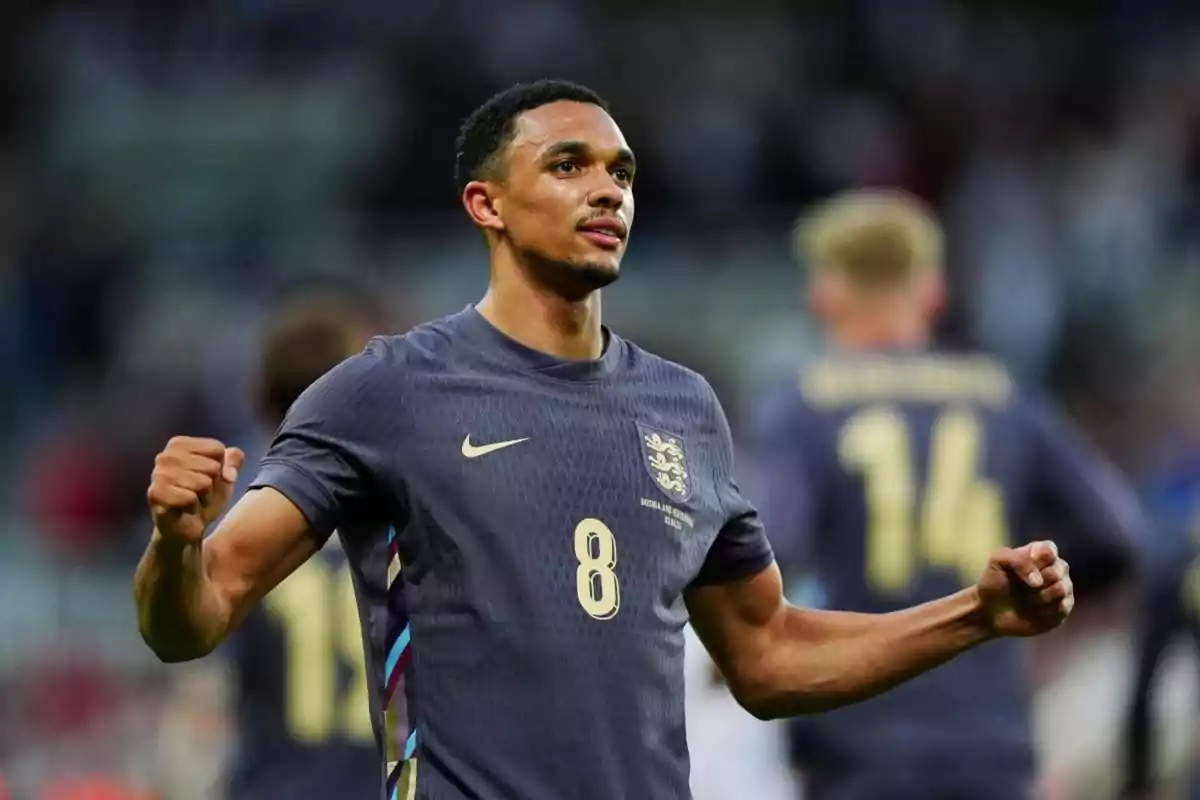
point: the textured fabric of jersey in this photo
(547, 516)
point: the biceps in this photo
(261, 541)
(737, 620)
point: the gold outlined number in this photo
(962, 517)
(595, 581)
(316, 606)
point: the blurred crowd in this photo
(167, 169)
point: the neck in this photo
(876, 334)
(542, 319)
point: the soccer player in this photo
(891, 471)
(1170, 610)
(532, 507)
(304, 720)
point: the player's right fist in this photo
(192, 482)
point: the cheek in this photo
(546, 219)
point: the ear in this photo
(934, 294)
(483, 205)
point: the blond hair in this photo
(877, 238)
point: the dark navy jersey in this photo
(890, 478)
(302, 705)
(521, 529)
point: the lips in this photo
(607, 232)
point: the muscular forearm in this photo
(818, 660)
(180, 614)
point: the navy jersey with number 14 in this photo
(891, 477)
(522, 530)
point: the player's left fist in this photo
(1026, 591)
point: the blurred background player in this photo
(1169, 611)
(303, 718)
(891, 470)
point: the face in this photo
(565, 203)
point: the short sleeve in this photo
(783, 436)
(330, 457)
(741, 548)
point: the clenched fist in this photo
(191, 485)
(1026, 591)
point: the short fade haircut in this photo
(876, 238)
(309, 334)
(491, 127)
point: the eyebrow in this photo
(580, 149)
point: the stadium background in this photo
(167, 167)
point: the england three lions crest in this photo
(666, 459)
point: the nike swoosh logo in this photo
(475, 451)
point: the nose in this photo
(606, 194)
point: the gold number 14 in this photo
(962, 516)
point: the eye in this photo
(623, 174)
(565, 166)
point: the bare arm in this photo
(782, 661)
(322, 469)
(190, 595)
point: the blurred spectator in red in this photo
(67, 693)
(91, 787)
(70, 491)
